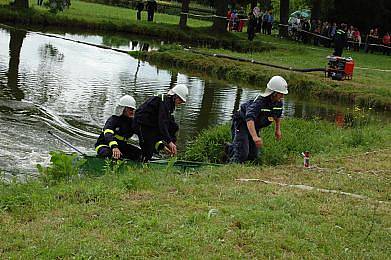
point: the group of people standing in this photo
(259, 20)
(327, 34)
(150, 6)
(154, 124)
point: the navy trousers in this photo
(243, 147)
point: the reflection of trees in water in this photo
(49, 71)
(173, 79)
(49, 52)
(140, 46)
(206, 114)
(15, 45)
(115, 41)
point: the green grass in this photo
(297, 55)
(299, 135)
(146, 213)
(304, 84)
(98, 12)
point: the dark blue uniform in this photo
(116, 133)
(155, 123)
(339, 42)
(262, 110)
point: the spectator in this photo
(370, 41)
(386, 43)
(252, 23)
(270, 22)
(317, 31)
(139, 7)
(259, 21)
(241, 17)
(265, 19)
(325, 33)
(306, 27)
(332, 31)
(233, 21)
(349, 35)
(151, 7)
(357, 39)
(376, 39)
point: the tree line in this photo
(364, 14)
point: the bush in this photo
(315, 136)
(64, 166)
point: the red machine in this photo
(339, 68)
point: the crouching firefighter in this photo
(254, 115)
(113, 141)
(156, 123)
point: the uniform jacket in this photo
(262, 110)
(156, 113)
(116, 132)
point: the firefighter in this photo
(340, 40)
(113, 141)
(253, 115)
(156, 123)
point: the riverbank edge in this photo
(258, 75)
(197, 36)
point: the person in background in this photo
(140, 8)
(156, 124)
(369, 41)
(253, 115)
(113, 141)
(252, 23)
(350, 39)
(356, 39)
(265, 18)
(151, 7)
(386, 43)
(270, 22)
(340, 40)
(241, 17)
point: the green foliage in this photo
(318, 137)
(56, 6)
(374, 92)
(209, 145)
(63, 166)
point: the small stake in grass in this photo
(306, 156)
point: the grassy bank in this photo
(314, 84)
(208, 214)
(319, 137)
(116, 19)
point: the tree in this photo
(220, 21)
(315, 10)
(284, 14)
(21, 4)
(185, 11)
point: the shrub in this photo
(64, 166)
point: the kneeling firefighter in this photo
(113, 141)
(254, 115)
(156, 123)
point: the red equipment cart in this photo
(339, 68)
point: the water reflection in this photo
(15, 46)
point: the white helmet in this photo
(127, 101)
(276, 84)
(180, 90)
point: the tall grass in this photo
(318, 137)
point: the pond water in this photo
(70, 88)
